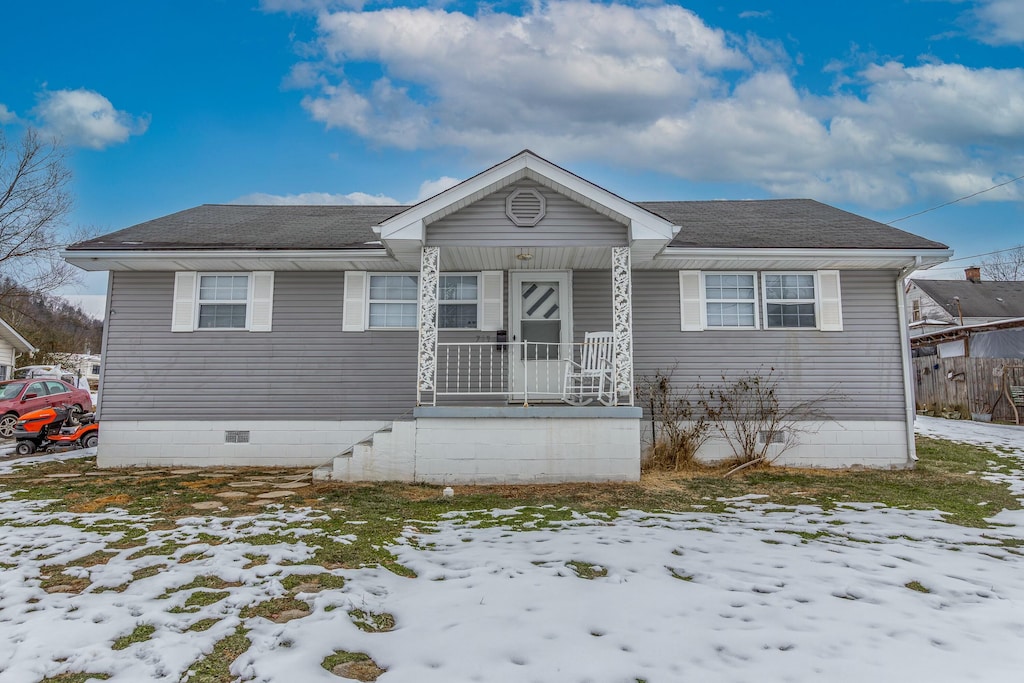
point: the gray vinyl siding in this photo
(566, 223)
(862, 362)
(306, 368)
(591, 302)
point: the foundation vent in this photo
(236, 436)
(525, 207)
(771, 437)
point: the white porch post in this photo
(426, 361)
(622, 321)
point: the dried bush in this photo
(748, 414)
(683, 426)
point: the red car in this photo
(24, 395)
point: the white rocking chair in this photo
(593, 377)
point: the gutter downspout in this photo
(908, 378)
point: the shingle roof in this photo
(986, 299)
(776, 223)
(229, 226)
(780, 223)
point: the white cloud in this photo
(427, 189)
(755, 14)
(86, 118)
(432, 187)
(656, 87)
(314, 199)
(1000, 22)
(6, 115)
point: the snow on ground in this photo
(756, 593)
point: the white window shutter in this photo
(830, 303)
(262, 315)
(492, 296)
(354, 316)
(183, 308)
(691, 300)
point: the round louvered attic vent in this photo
(525, 207)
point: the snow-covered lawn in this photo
(758, 593)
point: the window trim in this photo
(367, 301)
(704, 301)
(815, 301)
(199, 302)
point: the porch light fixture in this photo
(524, 256)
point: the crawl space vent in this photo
(525, 207)
(236, 437)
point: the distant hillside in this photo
(48, 322)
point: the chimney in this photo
(973, 273)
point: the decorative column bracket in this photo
(426, 361)
(622, 321)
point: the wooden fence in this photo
(965, 385)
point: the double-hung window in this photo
(789, 300)
(808, 300)
(730, 300)
(393, 301)
(459, 302)
(222, 301)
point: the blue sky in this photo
(883, 108)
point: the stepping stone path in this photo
(232, 494)
(307, 588)
(246, 484)
(207, 505)
(64, 475)
(274, 494)
(290, 614)
(256, 503)
(184, 471)
(358, 671)
(292, 485)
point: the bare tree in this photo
(1006, 266)
(34, 205)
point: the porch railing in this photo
(514, 372)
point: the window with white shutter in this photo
(223, 301)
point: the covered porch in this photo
(539, 353)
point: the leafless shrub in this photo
(759, 427)
(683, 427)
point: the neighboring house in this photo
(998, 339)
(12, 345)
(283, 335)
(937, 304)
(85, 365)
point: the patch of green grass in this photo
(202, 625)
(165, 550)
(272, 609)
(587, 570)
(372, 622)
(357, 665)
(323, 581)
(216, 666)
(342, 657)
(200, 598)
(210, 582)
(141, 633)
(76, 678)
(917, 586)
(677, 574)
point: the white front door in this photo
(540, 309)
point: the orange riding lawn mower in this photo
(58, 427)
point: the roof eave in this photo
(101, 259)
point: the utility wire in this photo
(960, 199)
